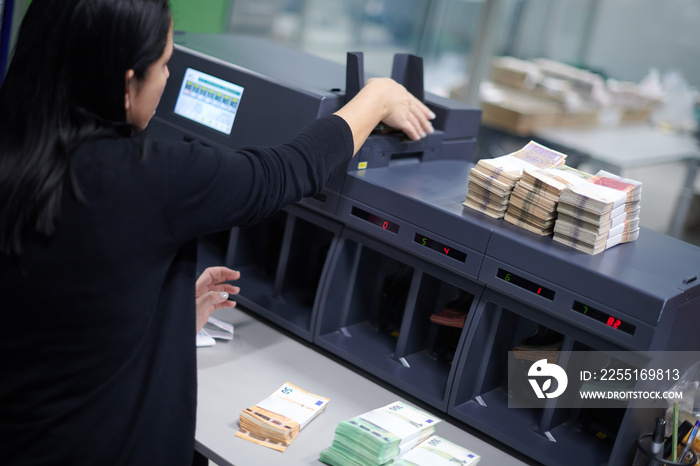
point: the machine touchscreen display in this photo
(208, 100)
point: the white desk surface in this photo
(625, 146)
(240, 373)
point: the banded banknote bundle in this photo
(276, 421)
(436, 451)
(600, 214)
(378, 436)
(491, 181)
(533, 203)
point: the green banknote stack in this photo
(378, 436)
(437, 451)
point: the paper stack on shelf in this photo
(600, 214)
(491, 181)
(214, 328)
(378, 436)
(533, 203)
(276, 421)
(437, 451)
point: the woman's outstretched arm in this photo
(384, 100)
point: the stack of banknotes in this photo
(276, 421)
(378, 436)
(533, 203)
(450, 318)
(491, 181)
(454, 313)
(599, 214)
(437, 451)
(544, 344)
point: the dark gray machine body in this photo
(360, 269)
(284, 91)
(651, 284)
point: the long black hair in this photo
(65, 84)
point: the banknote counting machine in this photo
(236, 91)
(362, 269)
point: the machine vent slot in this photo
(405, 157)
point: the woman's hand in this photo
(403, 111)
(212, 293)
(385, 100)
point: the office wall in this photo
(207, 16)
(622, 38)
(631, 36)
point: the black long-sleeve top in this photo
(97, 323)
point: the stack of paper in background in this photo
(437, 451)
(491, 181)
(379, 436)
(276, 421)
(533, 203)
(600, 214)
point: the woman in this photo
(98, 228)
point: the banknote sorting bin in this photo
(376, 313)
(632, 299)
(480, 397)
(282, 261)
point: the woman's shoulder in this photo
(133, 149)
(111, 161)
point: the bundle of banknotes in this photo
(533, 203)
(436, 451)
(544, 344)
(276, 421)
(491, 181)
(450, 318)
(454, 313)
(378, 436)
(599, 214)
(533, 189)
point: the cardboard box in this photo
(635, 115)
(581, 118)
(519, 114)
(512, 72)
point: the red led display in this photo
(439, 247)
(525, 284)
(375, 220)
(604, 317)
